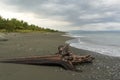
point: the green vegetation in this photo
(14, 25)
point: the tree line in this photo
(14, 25)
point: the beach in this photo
(35, 44)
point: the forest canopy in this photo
(14, 25)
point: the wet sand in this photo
(33, 44)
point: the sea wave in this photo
(106, 50)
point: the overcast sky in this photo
(65, 14)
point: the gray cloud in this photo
(77, 12)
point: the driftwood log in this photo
(63, 58)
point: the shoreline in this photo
(33, 44)
(77, 42)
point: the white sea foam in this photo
(102, 44)
(111, 51)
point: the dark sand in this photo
(32, 44)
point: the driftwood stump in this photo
(73, 59)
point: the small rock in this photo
(98, 67)
(30, 49)
(2, 38)
(73, 74)
(107, 67)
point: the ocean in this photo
(104, 42)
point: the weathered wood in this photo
(64, 58)
(54, 60)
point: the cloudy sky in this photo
(65, 14)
